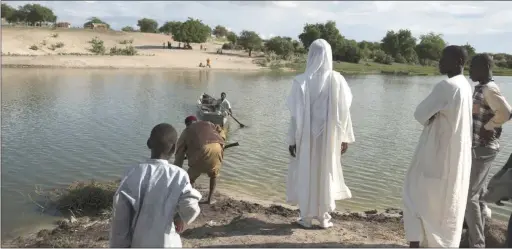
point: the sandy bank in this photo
(246, 223)
(17, 52)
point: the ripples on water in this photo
(59, 126)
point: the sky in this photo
(483, 24)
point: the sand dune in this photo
(17, 42)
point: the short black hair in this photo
(458, 52)
(223, 93)
(162, 138)
(484, 58)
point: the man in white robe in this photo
(436, 184)
(155, 199)
(320, 128)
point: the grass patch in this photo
(34, 47)
(93, 198)
(124, 42)
(129, 51)
(56, 45)
(55, 35)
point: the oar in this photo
(225, 147)
(241, 125)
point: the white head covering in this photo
(318, 67)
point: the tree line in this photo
(32, 14)
(395, 47)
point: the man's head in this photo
(162, 141)
(190, 120)
(480, 69)
(223, 95)
(453, 60)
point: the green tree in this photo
(347, 50)
(147, 25)
(128, 29)
(34, 13)
(400, 45)
(382, 58)
(327, 31)
(282, 46)
(470, 49)
(249, 40)
(7, 11)
(192, 31)
(430, 48)
(220, 31)
(95, 20)
(232, 37)
(170, 28)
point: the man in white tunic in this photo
(155, 199)
(320, 128)
(436, 184)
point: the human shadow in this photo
(239, 227)
(309, 245)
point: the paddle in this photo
(241, 125)
(225, 147)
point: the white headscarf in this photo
(318, 67)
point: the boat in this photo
(208, 112)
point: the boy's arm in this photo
(499, 105)
(120, 228)
(188, 203)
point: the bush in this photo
(130, 50)
(382, 58)
(55, 35)
(97, 46)
(123, 42)
(34, 47)
(400, 59)
(228, 46)
(56, 45)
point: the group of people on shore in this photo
(446, 183)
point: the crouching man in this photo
(203, 144)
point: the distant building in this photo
(66, 25)
(96, 26)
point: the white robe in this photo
(436, 184)
(148, 198)
(319, 103)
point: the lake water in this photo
(63, 125)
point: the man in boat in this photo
(155, 199)
(223, 105)
(203, 144)
(436, 184)
(490, 111)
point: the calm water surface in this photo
(59, 126)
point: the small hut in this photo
(65, 25)
(96, 26)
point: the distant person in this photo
(155, 199)
(436, 184)
(224, 105)
(319, 133)
(203, 144)
(201, 46)
(164, 45)
(490, 111)
(208, 63)
(169, 46)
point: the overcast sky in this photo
(485, 25)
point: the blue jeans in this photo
(508, 242)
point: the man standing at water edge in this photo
(203, 143)
(320, 128)
(155, 199)
(436, 184)
(490, 112)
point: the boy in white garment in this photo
(155, 199)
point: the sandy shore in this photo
(236, 222)
(17, 52)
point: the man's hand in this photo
(344, 148)
(179, 225)
(292, 149)
(431, 119)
